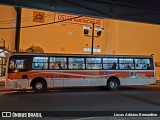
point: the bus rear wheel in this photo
(113, 84)
(39, 86)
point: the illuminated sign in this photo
(66, 18)
(38, 16)
(89, 50)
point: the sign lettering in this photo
(79, 20)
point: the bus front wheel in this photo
(113, 84)
(39, 86)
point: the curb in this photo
(17, 90)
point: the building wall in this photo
(118, 37)
(58, 37)
(132, 38)
(7, 36)
(111, 27)
(8, 20)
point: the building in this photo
(7, 36)
(118, 37)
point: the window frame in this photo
(49, 62)
(126, 63)
(117, 67)
(82, 63)
(151, 64)
(101, 63)
(40, 62)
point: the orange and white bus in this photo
(42, 71)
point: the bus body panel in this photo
(72, 78)
(84, 76)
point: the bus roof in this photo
(80, 55)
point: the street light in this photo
(86, 32)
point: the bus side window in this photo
(20, 64)
(88, 66)
(12, 64)
(110, 63)
(45, 66)
(60, 66)
(57, 63)
(64, 65)
(114, 66)
(148, 66)
(126, 63)
(80, 66)
(56, 66)
(121, 66)
(93, 63)
(143, 63)
(51, 66)
(127, 66)
(76, 63)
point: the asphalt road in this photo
(144, 98)
(84, 99)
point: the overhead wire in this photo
(22, 19)
(82, 6)
(42, 24)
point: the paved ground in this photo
(85, 102)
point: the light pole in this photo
(92, 38)
(86, 32)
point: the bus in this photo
(45, 70)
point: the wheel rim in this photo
(113, 84)
(39, 86)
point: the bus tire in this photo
(113, 84)
(39, 86)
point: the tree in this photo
(35, 49)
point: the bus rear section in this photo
(42, 71)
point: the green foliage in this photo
(35, 49)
